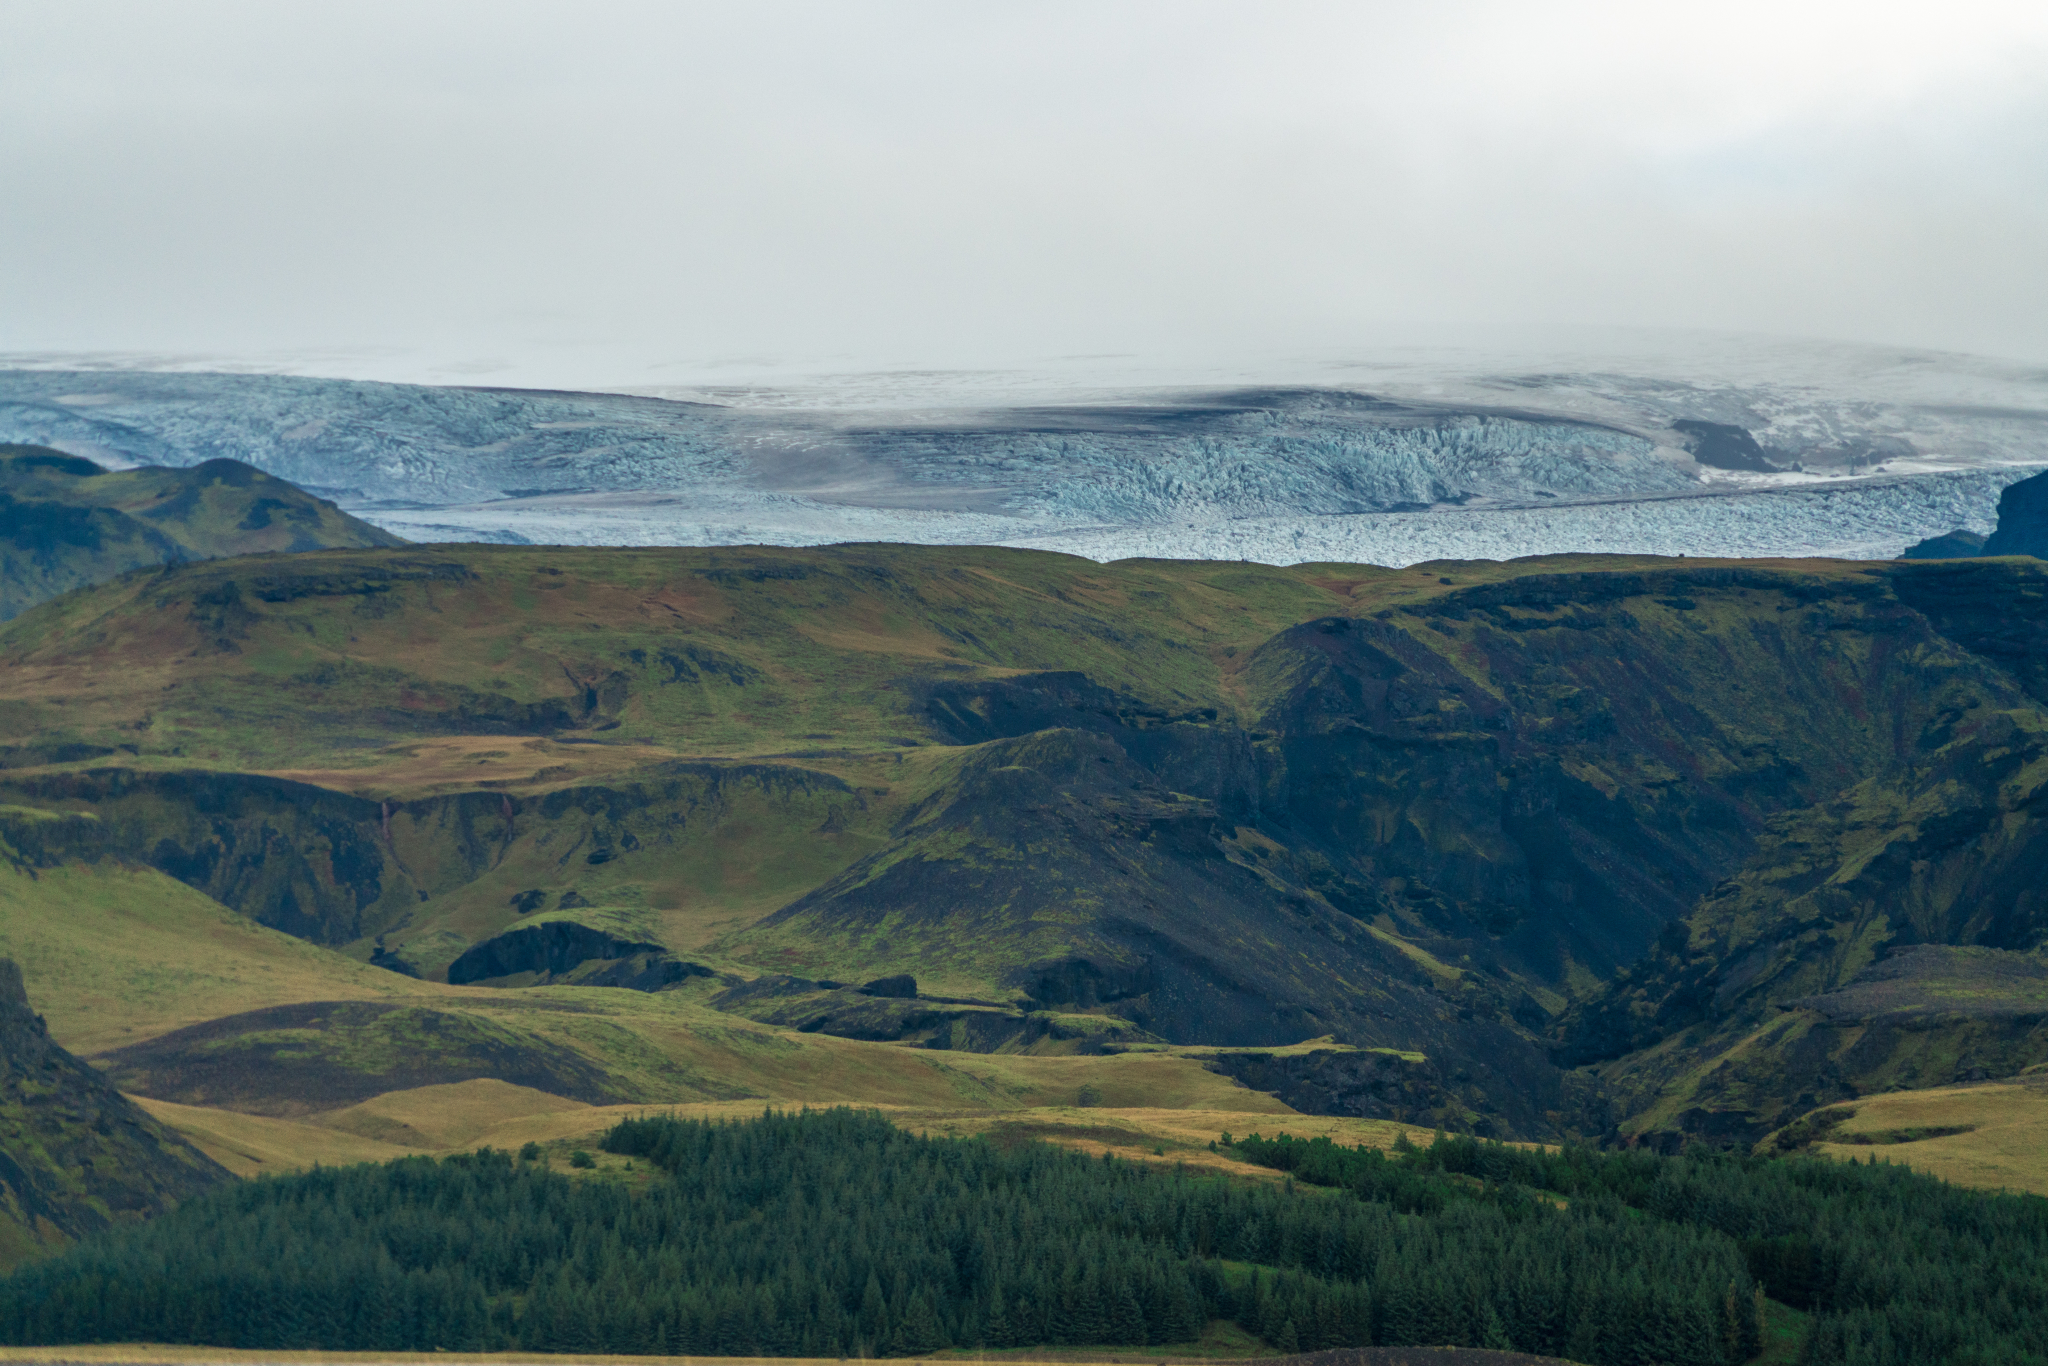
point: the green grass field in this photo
(117, 956)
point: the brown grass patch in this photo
(2003, 1143)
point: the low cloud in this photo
(932, 184)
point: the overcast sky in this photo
(972, 183)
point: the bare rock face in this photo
(2022, 520)
(1960, 544)
(76, 1156)
(1369, 1085)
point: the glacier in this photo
(1855, 458)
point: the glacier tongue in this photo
(1873, 519)
(1477, 469)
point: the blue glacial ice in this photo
(1488, 468)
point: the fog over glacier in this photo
(1698, 445)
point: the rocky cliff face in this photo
(76, 1156)
(2022, 520)
(1743, 1014)
(1439, 814)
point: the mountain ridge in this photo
(65, 522)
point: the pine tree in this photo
(918, 1331)
(1493, 1331)
(831, 1233)
(1126, 1326)
(872, 1322)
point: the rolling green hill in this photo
(65, 522)
(1434, 811)
(262, 1048)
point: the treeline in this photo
(834, 1234)
(1898, 1269)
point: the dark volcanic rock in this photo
(76, 1156)
(1954, 545)
(324, 1055)
(382, 957)
(2022, 520)
(564, 951)
(1723, 446)
(556, 946)
(940, 1023)
(1375, 1085)
(902, 987)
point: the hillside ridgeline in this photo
(1089, 808)
(76, 1157)
(65, 522)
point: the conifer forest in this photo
(835, 1234)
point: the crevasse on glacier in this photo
(1276, 476)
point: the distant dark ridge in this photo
(2022, 520)
(67, 523)
(1955, 545)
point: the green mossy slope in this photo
(76, 1156)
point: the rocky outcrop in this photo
(562, 951)
(897, 1015)
(1959, 544)
(1723, 445)
(2022, 520)
(76, 1156)
(309, 861)
(1366, 1085)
